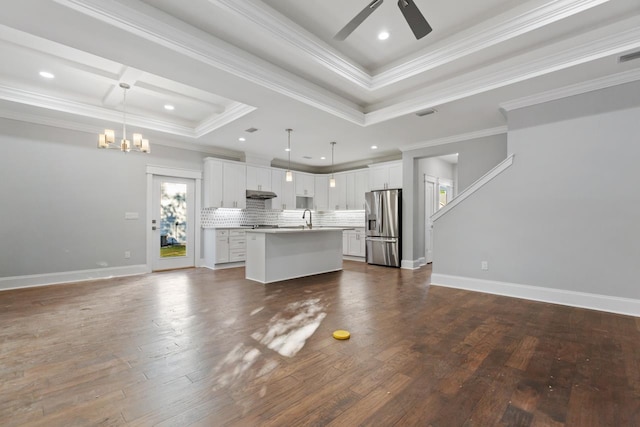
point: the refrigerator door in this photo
(373, 220)
(383, 251)
(389, 212)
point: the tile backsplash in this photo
(256, 213)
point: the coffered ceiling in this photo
(229, 65)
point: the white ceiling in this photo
(229, 65)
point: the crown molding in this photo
(232, 113)
(564, 54)
(310, 46)
(87, 110)
(572, 90)
(456, 138)
(172, 33)
(515, 22)
(499, 29)
(92, 129)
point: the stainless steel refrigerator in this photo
(383, 218)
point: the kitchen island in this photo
(286, 253)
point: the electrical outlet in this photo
(127, 254)
(484, 265)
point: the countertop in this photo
(283, 230)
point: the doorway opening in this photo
(173, 238)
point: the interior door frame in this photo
(428, 224)
(174, 173)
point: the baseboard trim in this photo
(413, 264)
(354, 258)
(618, 305)
(33, 280)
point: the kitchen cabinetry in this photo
(338, 194)
(321, 197)
(304, 184)
(224, 184)
(357, 185)
(353, 243)
(385, 175)
(231, 246)
(285, 190)
(259, 178)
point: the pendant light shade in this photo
(332, 180)
(288, 176)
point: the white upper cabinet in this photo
(286, 195)
(304, 184)
(338, 194)
(234, 192)
(385, 176)
(259, 178)
(224, 184)
(357, 185)
(321, 197)
(212, 183)
(277, 178)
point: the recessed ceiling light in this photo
(374, 147)
(46, 74)
(241, 139)
(322, 158)
(169, 107)
(383, 35)
(287, 149)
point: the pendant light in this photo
(106, 139)
(288, 176)
(332, 180)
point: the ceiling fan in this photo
(416, 21)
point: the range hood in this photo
(260, 195)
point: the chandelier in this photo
(107, 139)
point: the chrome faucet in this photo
(310, 223)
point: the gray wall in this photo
(471, 166)
(63, 200)
(565, 214)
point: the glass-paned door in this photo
(173, 222)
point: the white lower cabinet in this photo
(353, 243)
(224, 246)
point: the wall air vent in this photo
(307, 157)
(629, 56)
(251, 130)
(426, 112)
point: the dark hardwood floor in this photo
(205, 348)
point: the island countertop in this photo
(275, 254)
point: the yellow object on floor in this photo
(341, 335)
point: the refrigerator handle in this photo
(380, 212)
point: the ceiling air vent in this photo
(251, 130)
(630, 56)
(426, 112)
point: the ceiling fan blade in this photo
(357, 20)
(416, 21)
